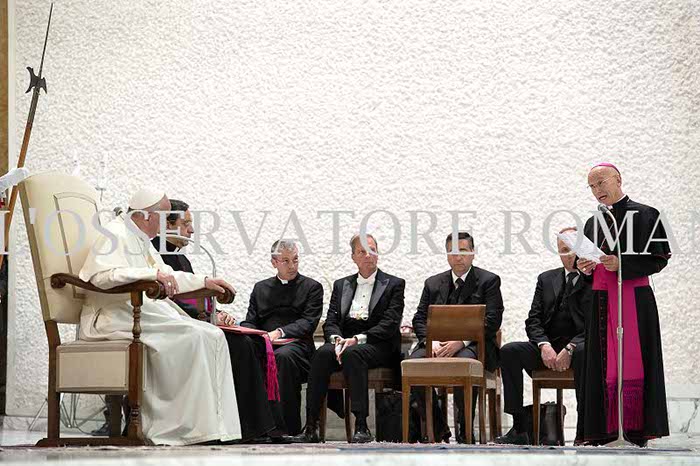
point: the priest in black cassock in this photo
(258, 414)
(288, 305)
(644, 393)
(362, 332)
(462, 284)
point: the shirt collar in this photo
(620, 201)
(285, 282)
(463, 277)
(367, 281)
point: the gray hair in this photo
(356, 238)
(282, 245)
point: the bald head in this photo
(605, 183)
(565, 254)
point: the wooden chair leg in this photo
(492, 414)
(535, 413)
(560, 414)
(455, 412)
(468, 428)
(499, 415)
(54, 415)
(322, 419)
(115, 415)
(405, 397)
(482, 414)
(429, 414)
(348, 417)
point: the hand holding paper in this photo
(581, 245)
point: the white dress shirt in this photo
(359, 309)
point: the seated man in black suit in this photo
(462, 284)
(555, 327)
(362, 332)
(288, 305)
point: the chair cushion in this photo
(441, 367)
(93, 366)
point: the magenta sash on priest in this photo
(632, 367)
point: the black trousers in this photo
(525, 355)
(356, 361)
(293, 365)
(418, 394)
(249, 363)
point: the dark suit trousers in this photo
(525, 355)
(293, 364)
(356, 361)
(418, 393)
(248, 363)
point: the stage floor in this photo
(678, 449)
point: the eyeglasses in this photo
(599, 184)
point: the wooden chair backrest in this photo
(456, 322)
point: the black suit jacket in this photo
(480, 287)
(385, 309)
(297, 318)
(550, 285)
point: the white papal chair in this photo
(59, 212)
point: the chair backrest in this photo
(59, 211)
(456, 322)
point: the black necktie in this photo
(567, 289)
(454, 296)
(570, 282)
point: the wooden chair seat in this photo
(378, 379)
(543, 379)
(437, 368)
(555, 379)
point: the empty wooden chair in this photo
(448, 323)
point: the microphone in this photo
(603, 208)
(213, 267)
(13, 177)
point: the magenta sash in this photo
(273, 389)
(633, 367)
(194, 302)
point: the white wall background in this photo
(364, 105)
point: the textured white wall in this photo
(348, 105)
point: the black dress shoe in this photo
(308, 435)
(514, 438)
(102, 431)
(362, 435)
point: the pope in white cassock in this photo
(189, 395)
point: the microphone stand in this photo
(620, 441)
(212, 318)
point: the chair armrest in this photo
(226, 297)
(153, 289)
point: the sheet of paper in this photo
(581, 245)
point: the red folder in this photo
(254, 331)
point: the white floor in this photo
(678, 449)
